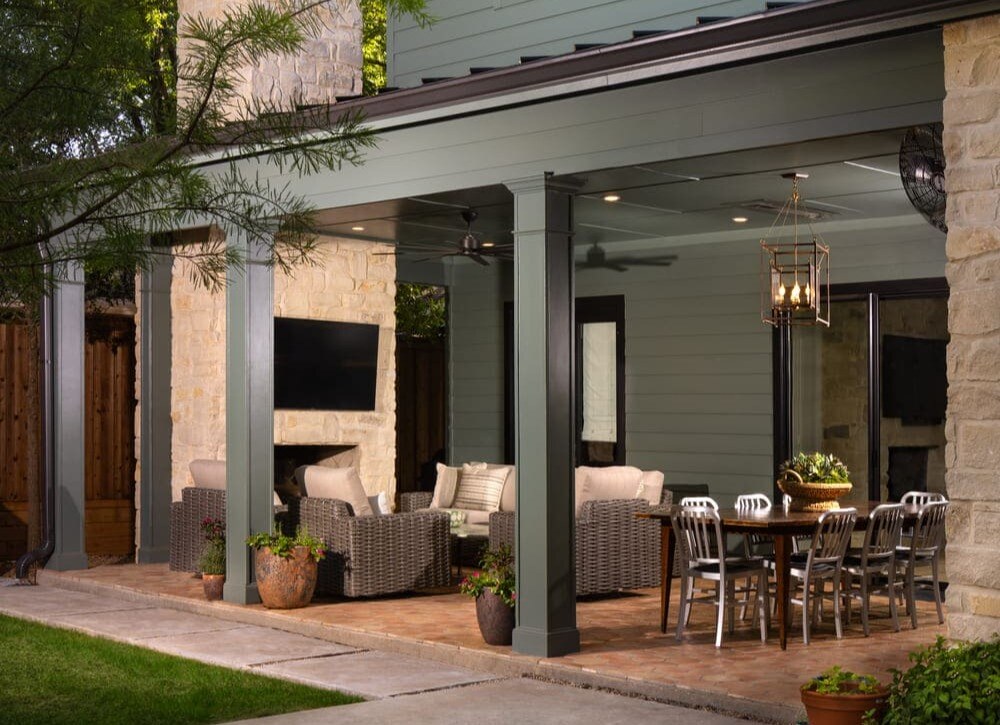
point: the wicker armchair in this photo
(614, 549)
(368, 556)
(414, 501)
(186, 538)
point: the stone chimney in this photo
(329, 65)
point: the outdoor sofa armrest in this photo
(415, 500)
(502, 529)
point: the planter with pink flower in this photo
(493, 589)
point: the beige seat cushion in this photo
(207, 473)
(339, 483)
(479, 488)
(606, 483)
(651, 487)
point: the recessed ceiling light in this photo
(357, 229)
(740, 219)
(488, 244)
(612, 198)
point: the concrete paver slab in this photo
(375, 674)
(504, 702)
(245, 646)
(141, 624)
(42, 603)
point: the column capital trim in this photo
(542, 182)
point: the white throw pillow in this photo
(479, 489)
(445, 486)
(651, 487)
(606, 483)
(339, 483)
(380, 504)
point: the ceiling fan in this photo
(597, 258)
(471, 245)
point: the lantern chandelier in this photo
(795, 275)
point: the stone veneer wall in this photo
(972, 147)
(348, 284)
(328, 66)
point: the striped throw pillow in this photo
(479, 490)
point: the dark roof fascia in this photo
(757, 36)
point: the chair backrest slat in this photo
(882, 534)
(832, 536)
(921, 497)
(928, 533)
(698, 530)
(700, 502)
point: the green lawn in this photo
(55, 676)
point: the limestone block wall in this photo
(328, 66)
(972, 146)
(347, 284)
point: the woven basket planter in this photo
(811, 496)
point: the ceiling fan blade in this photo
(433, 257)
(477, 258)
(643, 261)
(616, 267)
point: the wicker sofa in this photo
(370, 556)
(615, 550)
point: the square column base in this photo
(152, 555)
(240, 593)
(542, 643)
(67, 561)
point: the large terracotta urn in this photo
(285, 582)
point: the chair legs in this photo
(726, 603)
(937, 589)
(722, 593)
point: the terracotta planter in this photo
(212, 584)
(811, 496)
(285, 583)
(843, 708)
(496, 619)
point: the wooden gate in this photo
(109, 429)
(421, 408)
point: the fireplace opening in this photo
(289, 457)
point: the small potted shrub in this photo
(841, 697)
(814, 481)
(948, 683)
(285, 567)
(493, 589)
(212, 563)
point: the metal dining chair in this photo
(823, 561)
(699, 536)
(875, 558)
(924, 549)
(916, 498)
(755, 546)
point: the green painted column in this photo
(249, 413)
(155, 423)
(67, 412)
(543, 359)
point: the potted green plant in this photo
(841, 697)
(814, 481)
(493, 589)
(952, 683)
(285, 567)
(212, 563)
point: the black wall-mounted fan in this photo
(597, 258)
(921, 167)
(472, 245)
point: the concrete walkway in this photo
(399, 689)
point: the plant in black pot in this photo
(841, 697)
(493, 589)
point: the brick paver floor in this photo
(620, 635)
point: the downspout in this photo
(42, 553)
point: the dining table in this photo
(777, 522)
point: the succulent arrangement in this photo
(836, 680)
(817, 467)
(283, 545)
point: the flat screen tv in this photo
(323, 365)
(914, 379)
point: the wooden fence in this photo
(109, 429)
